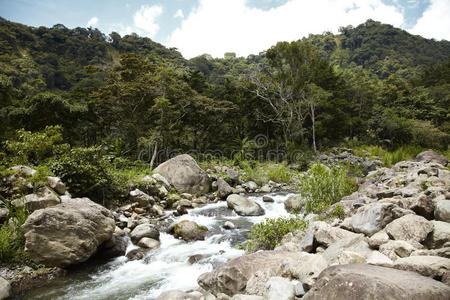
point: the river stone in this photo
(409, 227)
(228, 225)
(144, 230)
(397, 249)
(67, 233)
(442, 211)
(244, 206)
(137, 254)
(231, 277)
(189, 231)
(5, 288)
(223, 188)
(43, 198)
(250, 186)
(185, 175)
(431, 156)
(361, 281)
(232, 174)
(141, 198)
(56, 184)
(372, 218)
(279, 288)
(149, 243)
(430, 266)
(115, 247)
(294, 203)
(439, 236)
(268, 199)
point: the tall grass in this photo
(321, 187)
(12, 241)
(389, 158)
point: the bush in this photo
(12, 241)
(322, 187)
(38, 147)
(268, 234)
(428, 136)
(85, 172)
(279, 173)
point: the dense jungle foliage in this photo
(130, 97)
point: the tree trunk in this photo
(313, 127)
(155, 151)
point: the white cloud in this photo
(145, 20)
(435, 21)
(92, 22)
(216, 26)
(179, 14)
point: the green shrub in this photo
(428, 136)
(37, 147)
(322, 187)
(12, 241)
(268, 234)
(279, 173)
(85, 173)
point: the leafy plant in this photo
(12, 240)
(322, 186)
(268, 234)
(279, 173)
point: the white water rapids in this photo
(167, 267)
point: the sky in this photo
(245, 27)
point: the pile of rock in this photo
(343, 155)
(394, 241)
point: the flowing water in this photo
(167, 267)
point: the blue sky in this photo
(218, 26)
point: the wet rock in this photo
(115, 247)
(268, 199)
(148, 243)
(360, 281)
(144, 230)
(244, 206)
(67, 233)
(228, 225)
(173, 295)
(137, 254)
(195, 258)
(189, 231)
(185, 175)
(442, 211)
(409, 227)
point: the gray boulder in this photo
(223, 188)
(185, 175)
(397, 249)
(149, 243)
(56, 184)
(231, 277)
(294, 203)
(24, 169)
(307, 268)
(439, 236)
(189, 231)
(431, 156)
(161, 179)
(279, 288)
(430, 266)
(372, 218)
(244, 206)
(144, 230)
(43, 198)
(442, 211)
(141, 198)
(67, 233)
(5, 288)
(409, 227)
(115, 247)
(360, 281)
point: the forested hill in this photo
(379, 49)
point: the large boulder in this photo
(409, 227)
(442, 211)
(67, 233)
(326, 234)
(189, 231)
(440, 235)
(43, 198)
(430, 266)
(115, 247)
(372, 218)
(141, 198)
(231, 277)
(279, 288)
(431, 156)
(294, 203)
(307, 268)
(360, 281)
(144, 230)
(244, 206)
(185, 175)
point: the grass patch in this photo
(268, 234)
(12, 241)
(279, 173)
(389, 158)
(322, 187)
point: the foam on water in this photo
(168, 267)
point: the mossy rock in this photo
(189, 231)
